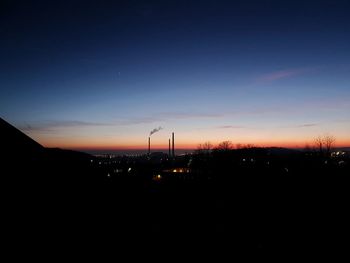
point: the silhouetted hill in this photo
(270, 198)
(347, 149)
(21, 159)
(15, 142)
(281, 151)
(67, 165)
(26, 162)
(67, 155)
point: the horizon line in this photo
(180, 148)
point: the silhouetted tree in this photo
(324, 144)
(202, 159)
(249, 146)
(328, 142)
(319, 144)
(204, 148)
(224, 146)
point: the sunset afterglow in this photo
(104, 78)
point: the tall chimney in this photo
(169, 149)
(173, 153)
(149, 145)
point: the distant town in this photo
(262, 197)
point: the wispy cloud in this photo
(307, 125)
(230, 127)
(342, 121)
(165, 116)
(32, 128)
(304, 125)
(77, 123)
(190, 115)
(52, 125)
(124, 121)
(282, 74)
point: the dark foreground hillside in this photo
(65, 199)
(250, 211)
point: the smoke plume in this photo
(155, 130)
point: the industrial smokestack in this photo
(173, 153)
(149, 145)
(155, 130)
(169, 148)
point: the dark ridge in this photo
(15, 141)
(281, 150)
(67, 155)
(343, 149)
(253, 199)
(18, 146)
(26, 163)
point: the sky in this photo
(104, 74)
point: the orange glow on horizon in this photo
(182, 146)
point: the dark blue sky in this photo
(104, 73)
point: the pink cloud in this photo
(281, 74)
(230, 127)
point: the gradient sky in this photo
(103, 74)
